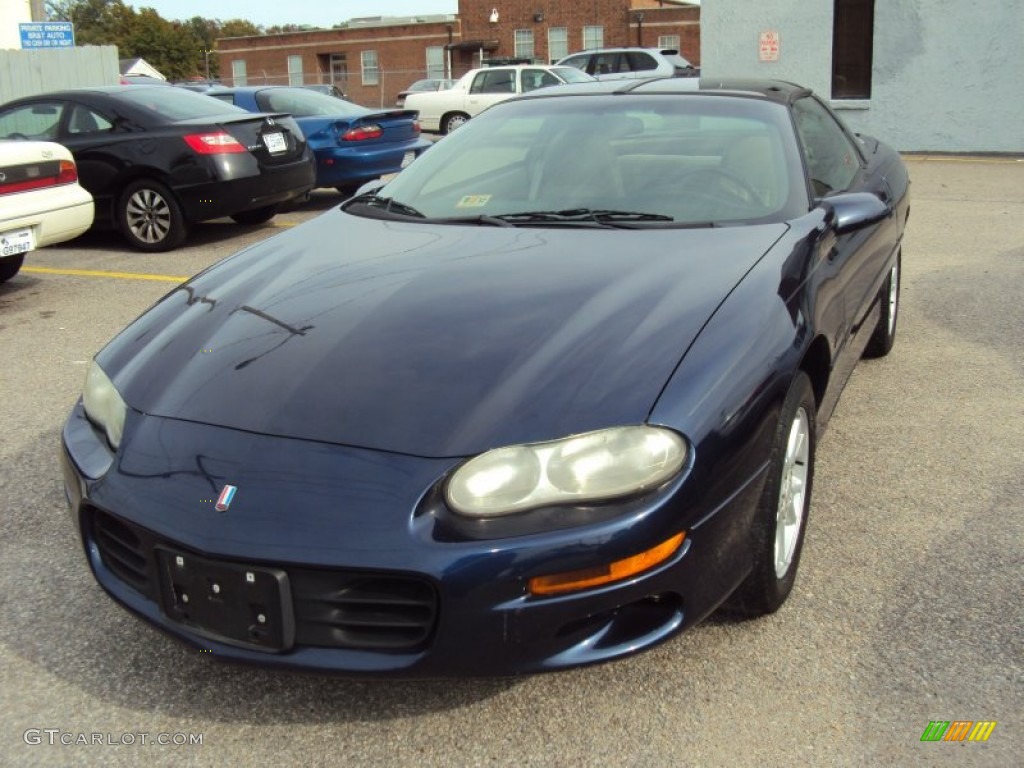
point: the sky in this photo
(267, 13)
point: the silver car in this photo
(631, 63)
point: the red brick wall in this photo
(617, 17)
(401, 49)
(401, 57)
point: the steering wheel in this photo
(720, 184)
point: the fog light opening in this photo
(588, 578)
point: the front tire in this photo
(881, 341)
(9, 266)
(453, 121)
(781, 521)
(150, 218)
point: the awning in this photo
(473, 45)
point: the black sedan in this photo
(547, 398)
(159, 159)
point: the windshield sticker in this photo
(473, 201)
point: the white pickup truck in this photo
(444, 111)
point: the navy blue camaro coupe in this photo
(352, 144)
(547, 398)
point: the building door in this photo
(339, 71)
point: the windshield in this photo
(627, 160)
(302, 102)
(572, 75)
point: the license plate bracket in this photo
(275, 143)
(17, 241)
(244, 605)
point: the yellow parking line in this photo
(99, 273)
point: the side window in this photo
(532, 79)
(498, 81)
(639, 61)
(478, 83)
(32, 121)
(84, 121)
(607, 63)
(832, 160)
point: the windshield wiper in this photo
(604, 218)
(388, 204)
(491, 221)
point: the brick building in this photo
(372, 59)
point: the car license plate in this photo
(243, 605)
(275, 143)
(407, 159)
(17, 241)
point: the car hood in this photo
(432, 340)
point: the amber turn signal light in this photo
(605, 574)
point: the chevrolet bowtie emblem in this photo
(224, 500)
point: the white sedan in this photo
(444, 111)
(41, 202)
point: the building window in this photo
(295, 70)
(524, 44)
(558, 43)
(669, 41)
(238, 76)
(371, 71)
(593, 37)
(435, 62)
(853, 34)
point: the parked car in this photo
(631, 63)
(326, 88)
(444, 111)
(41, 201)
(352, 144)
(423, 86)
(142, 80)
(200, 86)
(547, 398)
(157, 160)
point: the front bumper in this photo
(325, 515)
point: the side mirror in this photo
(850, 211)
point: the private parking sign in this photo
(47, 34)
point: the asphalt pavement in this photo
(908, 608)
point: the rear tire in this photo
(150, 218)
(781, 520)
(257, 215)
(884, 335)
(9, 266)
(453, 121)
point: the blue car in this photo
(352, 144)
(547, 398)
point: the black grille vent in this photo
(356, 610)
(360, 610)
(123, 551)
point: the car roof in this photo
(779, 91)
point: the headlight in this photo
(595, 466)
(103, 404)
